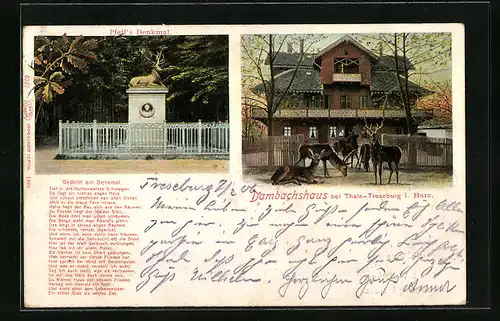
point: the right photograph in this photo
(347, 109)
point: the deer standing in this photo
(346, 145)
(328, 155)
(297, 174)
(382, 154)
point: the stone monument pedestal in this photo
(146, 117)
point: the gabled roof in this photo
(305, 81)
(386, 81)
(290, 60)
(346, 39)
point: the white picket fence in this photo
(156, 138)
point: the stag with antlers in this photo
(154, 78)
(382, 154)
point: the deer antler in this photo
(156, 61)
(378, 127)
(160, 60)
(368, 128)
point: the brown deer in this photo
(297, 174)
(345, 146)
(328, 155)
(382, 154)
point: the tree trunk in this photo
(270, 145)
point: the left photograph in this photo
(131, 104)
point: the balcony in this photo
(342, 77)
(341, 113)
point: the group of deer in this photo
(349, 149)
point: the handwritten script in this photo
(309, 250)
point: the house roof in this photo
(386, 62)
(290, 59)
(346, 39)
(386, 81)
(305, 81)
(437, 126)
(309, 81)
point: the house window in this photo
(363, 101)
(287, 130)
(345, 102)
(333, 131)
(341, 131)
(346, 65)
(314, 101)
(313, 132)
(328, 100)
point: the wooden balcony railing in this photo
(341, 113)
(340, 77)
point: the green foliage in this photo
(99, 70)
(55, 59)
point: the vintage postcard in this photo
(238, 166)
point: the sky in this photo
(439, 76)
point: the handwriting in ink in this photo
(381, 207)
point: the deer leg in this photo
(397, 172)
(380, 173)
(303, 179)
(282, 177)
(375, 171)
(326, 170)
(390, 173)
(287, 181)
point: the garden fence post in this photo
(60, 136)
(72, 136)
(164, 136)
(129, 137)
(94, 136)
(226, 138)
(199, 135)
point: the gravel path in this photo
(357, 177)
(46, 164)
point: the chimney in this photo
(301, 46)
(289, 47)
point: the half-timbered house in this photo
(336, 89)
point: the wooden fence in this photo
(421, 151)
(254, 151)
(417, 151)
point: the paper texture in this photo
(211, 229)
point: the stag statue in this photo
(382, 154)
(154, 78)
